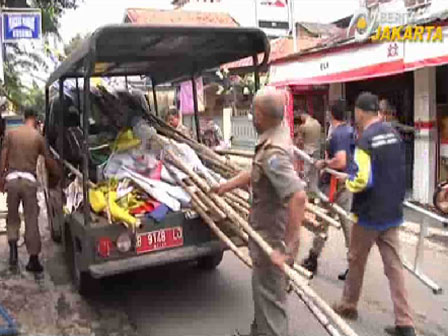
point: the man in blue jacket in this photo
(379, 188)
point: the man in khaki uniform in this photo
(20, 151)
(310, 132)
(277, 212)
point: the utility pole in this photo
(293, 24)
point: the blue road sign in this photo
(22, 25)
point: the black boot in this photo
(34, 265)
(343, 276)
(13, 254)
(400, 331)
(310, 263)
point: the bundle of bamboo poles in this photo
(232, 210)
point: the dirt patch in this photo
(48, 305)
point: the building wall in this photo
(425, 114)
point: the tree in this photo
(74, 43)
(17, 59)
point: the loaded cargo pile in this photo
(150, 169)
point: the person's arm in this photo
(339, 161)
(279, 168)
(363, 177)
(4, 162)
(239, 181)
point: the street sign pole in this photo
(293, 24)
(2, 48)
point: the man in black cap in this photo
(378, 192)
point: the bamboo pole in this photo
(234, 152)
(290, 272)
(232, 215)
(238, 207)
(298, 281)
(237, 200)
(203, 197)
(323, 216)
(71, 167)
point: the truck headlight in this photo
(124, 242)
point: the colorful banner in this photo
(186, 97)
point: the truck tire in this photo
(55, 214)
(83, 282)
(210, 262)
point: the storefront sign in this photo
(372, 60)
(22, 25)
(273, 17)
(419, 55)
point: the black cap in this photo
(368, 102)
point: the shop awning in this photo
(359, 62)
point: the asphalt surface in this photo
(181, 300)
(184, 301)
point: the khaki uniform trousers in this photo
(269, 285)
(344, 200)
(388, 243)
(25, 191)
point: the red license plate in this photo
(159, 240)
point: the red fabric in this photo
(156, 173)
(149, 206)
(425, 124)
(333, 187)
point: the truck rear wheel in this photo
(210, 262)
(83, 281)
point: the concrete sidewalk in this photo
(375, 309)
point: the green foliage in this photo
(17, 60)
(74, 43)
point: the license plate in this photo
(159, 240)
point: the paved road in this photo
(183, 301)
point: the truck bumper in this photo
(136, 263)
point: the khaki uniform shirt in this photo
(274, 181)
(310, 132)
(24, 145)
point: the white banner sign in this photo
(334, 66)
(273, 17)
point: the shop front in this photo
(412, 76)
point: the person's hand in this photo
(218, 189)
(320, 164)
(279, 259)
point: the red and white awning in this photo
(358, 62)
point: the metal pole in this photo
(126, 82)
(47, 108)
(256, 13)
(60, 141)
(85, 161)
(256, 72)
(154, 94)
(61, 138)
(78, 95)
(196, 109)
(293, 23)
